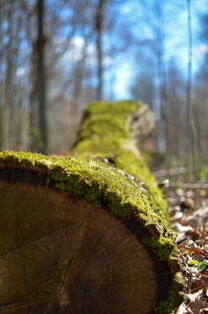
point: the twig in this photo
(171, 172)
(189, 185)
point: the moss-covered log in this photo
(88, 233)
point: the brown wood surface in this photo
(60, 255)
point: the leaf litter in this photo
(188, 210)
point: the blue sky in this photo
(122, 68)
(175, 40)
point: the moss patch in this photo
(106, 121)
(104, 132)
(97, 183)
(167, 306)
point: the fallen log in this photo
(87, 233)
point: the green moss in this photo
(163, 247)
(104, 121)
(179, 279)
(95, 182)
(105, 132)
(92, 180)
(136, 166)
(167, 306)
(101, 183)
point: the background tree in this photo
(99, 25)
(41, 77)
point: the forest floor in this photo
(188, 209)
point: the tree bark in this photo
(87, 233)
(41, 75)
(99, 20)
(38, 93)
(190, 119)
(6, 110)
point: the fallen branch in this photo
(183, 185)
(171, 172)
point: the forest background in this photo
(58, 55)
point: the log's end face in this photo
(60, 254)
(116, 195)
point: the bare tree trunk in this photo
(190, 118)
(15, 114)
(99, 20)
(34, 126)
(162, 96)
(33, 101)
(8, 82)
(1, 127)
(1, 61)
(41, 75)
(75, 105)
(38, 115)
(162, 88)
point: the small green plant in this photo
(36, 138)
(201, 265)
(203, 174)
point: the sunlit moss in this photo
(100, 183)
(90, 179)
(105, 131)
(167, 306)
(94, 181)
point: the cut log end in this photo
(61, 255)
